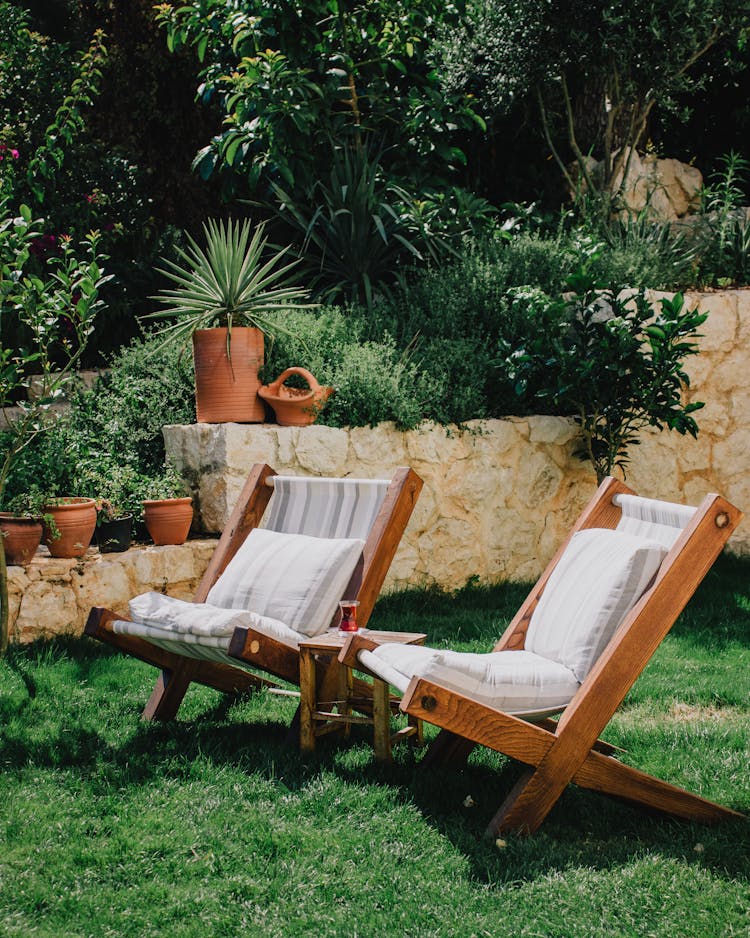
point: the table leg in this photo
(345, 693)
(307, 701)
(381, 713)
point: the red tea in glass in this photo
(348, 615)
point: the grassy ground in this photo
(213, 826)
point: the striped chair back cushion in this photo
(598, 579)
(321, 507)
(656, 520)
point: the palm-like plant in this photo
(226, 284)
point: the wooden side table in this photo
(335, 687)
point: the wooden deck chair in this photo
(575, 647)
(298, 543)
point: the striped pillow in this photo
(597, 581)
(291, 577)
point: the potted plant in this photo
(168, 511)
(219, 300)
(69, 523)
(21, 529)
(114, 527)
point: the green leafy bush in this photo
(373, 380)
(615, 364)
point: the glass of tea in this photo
(348, 615)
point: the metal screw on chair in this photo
(429, 702)
(722, 519)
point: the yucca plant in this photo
(354, 231)
(226, 284)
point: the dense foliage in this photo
(597, 71)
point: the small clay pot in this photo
(168, 519)
(21, 538)
(74, 520)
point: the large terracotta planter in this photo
(295, 407)
(21, 538)
(226, 385)
(168, 519)
(74, 522)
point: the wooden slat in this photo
(247, 515)
(476, 722)
(385, 536)
(603, 774)
(265, 653)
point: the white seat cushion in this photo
(516, 682)
(158, 617)
(597, 581)
(294, 578)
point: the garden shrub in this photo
(110, 443)
(374, 381)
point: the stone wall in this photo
(498, 498)
(53, 597)
(500, 495)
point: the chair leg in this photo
(169, 691)
(447, 751)
(610, 777)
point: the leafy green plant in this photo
(226, 284)
(58, 308)
(725, 238)
(615, 364)
(288, 79)
(352, 231)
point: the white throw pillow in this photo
(291, 577)
(599, 578)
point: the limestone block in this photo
(732, 455)
(557, 430)
(693, 455)
(743, 317)
(217, 495)
(246, 444)
(401, 574)
(512, 540)
(103, 583)
(696, 488)
(426, 511)
(47, 609)
(681, 184)
(322, 451)
(381, 446)
(700, 371)
(733, 371)
(472, 487)
(287, 438)
(539, 481)
(652, 469)
(716, 415)
(451, 548)
(719, 331)
(739, 405)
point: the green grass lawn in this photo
(213, 826)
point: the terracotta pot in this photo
(113, 537)
(168, 519)
(21, 537)
(226, 386)
(295, 407)
(75, 520)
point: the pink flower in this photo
(14, 154)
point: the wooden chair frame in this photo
(247, 645)
(569, 750)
